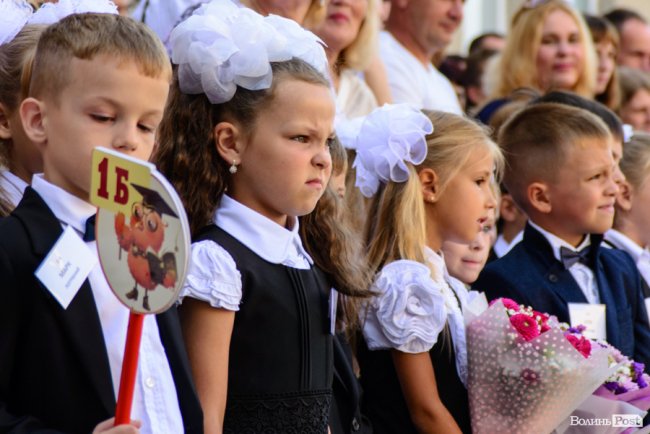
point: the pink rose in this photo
(508, 303)
(525, 325)
(581, 344)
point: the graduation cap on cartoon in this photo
(151, 198)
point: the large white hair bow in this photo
(390, 137)
(13, 16)
(222, 46)
(51, 13)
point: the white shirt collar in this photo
(623, 242)
(557, 242)
(501, 246)
(69, 209)
(13, 186)
(267, 239)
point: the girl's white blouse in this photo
(213, 276)
(413, 306)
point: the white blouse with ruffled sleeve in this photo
(412, 307)
(213, 276)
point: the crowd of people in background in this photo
(349, 184)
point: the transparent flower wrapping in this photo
(519, 386)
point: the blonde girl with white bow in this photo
(429, 176)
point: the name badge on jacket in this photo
(66, 267)
(591, 316)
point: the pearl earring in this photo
(233, 168)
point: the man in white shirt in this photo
(416, 30)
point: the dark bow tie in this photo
(89, 234)
(570, 257)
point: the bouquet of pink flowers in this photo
(525, 374)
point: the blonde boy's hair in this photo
(536, 140)
(396, 226)
(635, 163)
(517, 67)
(85, 36)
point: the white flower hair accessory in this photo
(222, 46)
(628, 132)
(51, 13)
(390, 137)
(13, 17)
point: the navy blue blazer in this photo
(530, 275)
(54, 370)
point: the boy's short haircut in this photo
(610, 119)
(85, 36)
(536, 139)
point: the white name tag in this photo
(647, 308)
(66, 267)
(591, 316)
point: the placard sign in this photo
(143, 243)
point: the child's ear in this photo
(5, 130)
(33, 120)
(624, 198)
(430, 185)
(226, 140)
(539, 197)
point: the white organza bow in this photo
(222, 46)
(51, 13)
(13, 16)
(390, 137)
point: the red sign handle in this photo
(129, 369)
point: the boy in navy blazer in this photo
(97, 80)
(559, 169)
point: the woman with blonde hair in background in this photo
(548, 47)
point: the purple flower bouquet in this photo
(629, 383)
